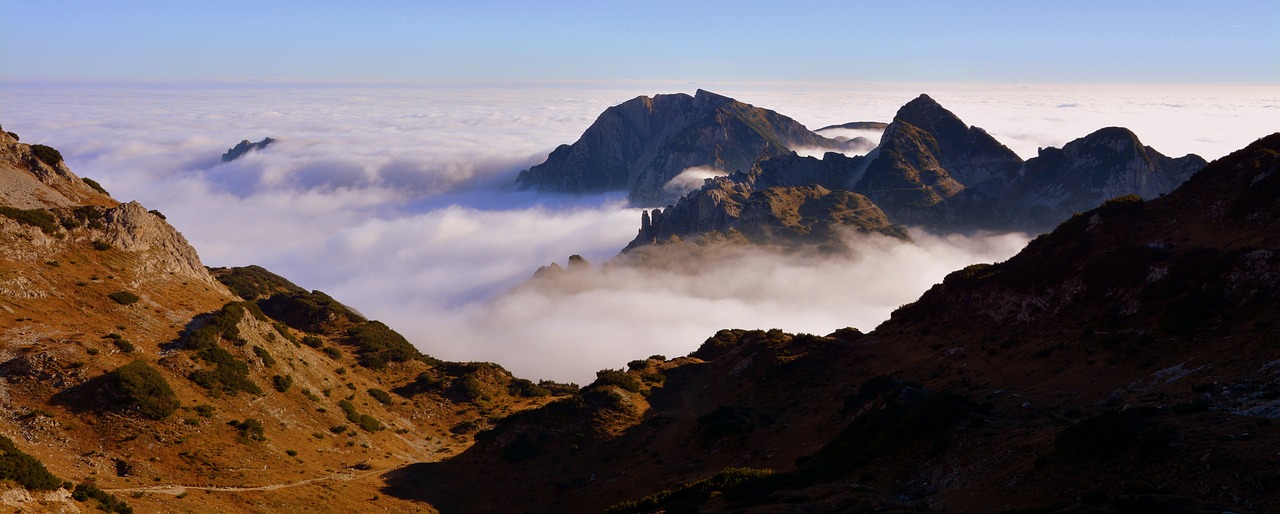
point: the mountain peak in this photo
(704, 97)
(244, 147)
(925, 112)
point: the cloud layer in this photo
(392, 199)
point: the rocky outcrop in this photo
(640, 145)
(245, 147)
(35, 177)
(131, 227)
(781, 215)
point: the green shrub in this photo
(616, 377)
(47, 154)
(95, 185)
(229, 374)
(254, 282)
(283, 330)
(204, 410)
(364, 421)
(24, 469)
(313, 341)
(124, 345)
(281, 382)
(107, 502)
(250, 430)
(376, 345)
(38, 218)
(124, 297)
(558, 388)
(307, 311)
(262, 353)
(158, 214)
(101, 246)
(383, 397)
(145, 389)
(526, 388)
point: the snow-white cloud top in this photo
(691, 178)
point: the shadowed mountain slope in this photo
(1123, 362)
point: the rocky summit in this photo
(641, 144)
(244, 147)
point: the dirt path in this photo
(341, 476)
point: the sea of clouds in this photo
(396, 199)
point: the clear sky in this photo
(1046, 41)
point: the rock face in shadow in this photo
(244, 147)
(641, 144)
(779, 215)
(933, 171)
(1108, 163)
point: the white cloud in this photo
(690, 179)
(605, 316)
(389, 198)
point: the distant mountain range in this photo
(930, 169)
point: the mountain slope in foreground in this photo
(1125, 362)
(141, 379)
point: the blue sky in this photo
(1078, 41)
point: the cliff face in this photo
(640, 145)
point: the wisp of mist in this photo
(396, 201)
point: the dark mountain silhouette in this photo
(244, 147)
(641, 144)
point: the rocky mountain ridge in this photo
(934, 171)
(244, 147)
(641, 144)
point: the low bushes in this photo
(47, 154)
(364, 421)
(124, 297)
(144, 389)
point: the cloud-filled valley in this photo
(395, 200)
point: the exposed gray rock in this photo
(640, 145)
(245, 147)
(132, 228)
